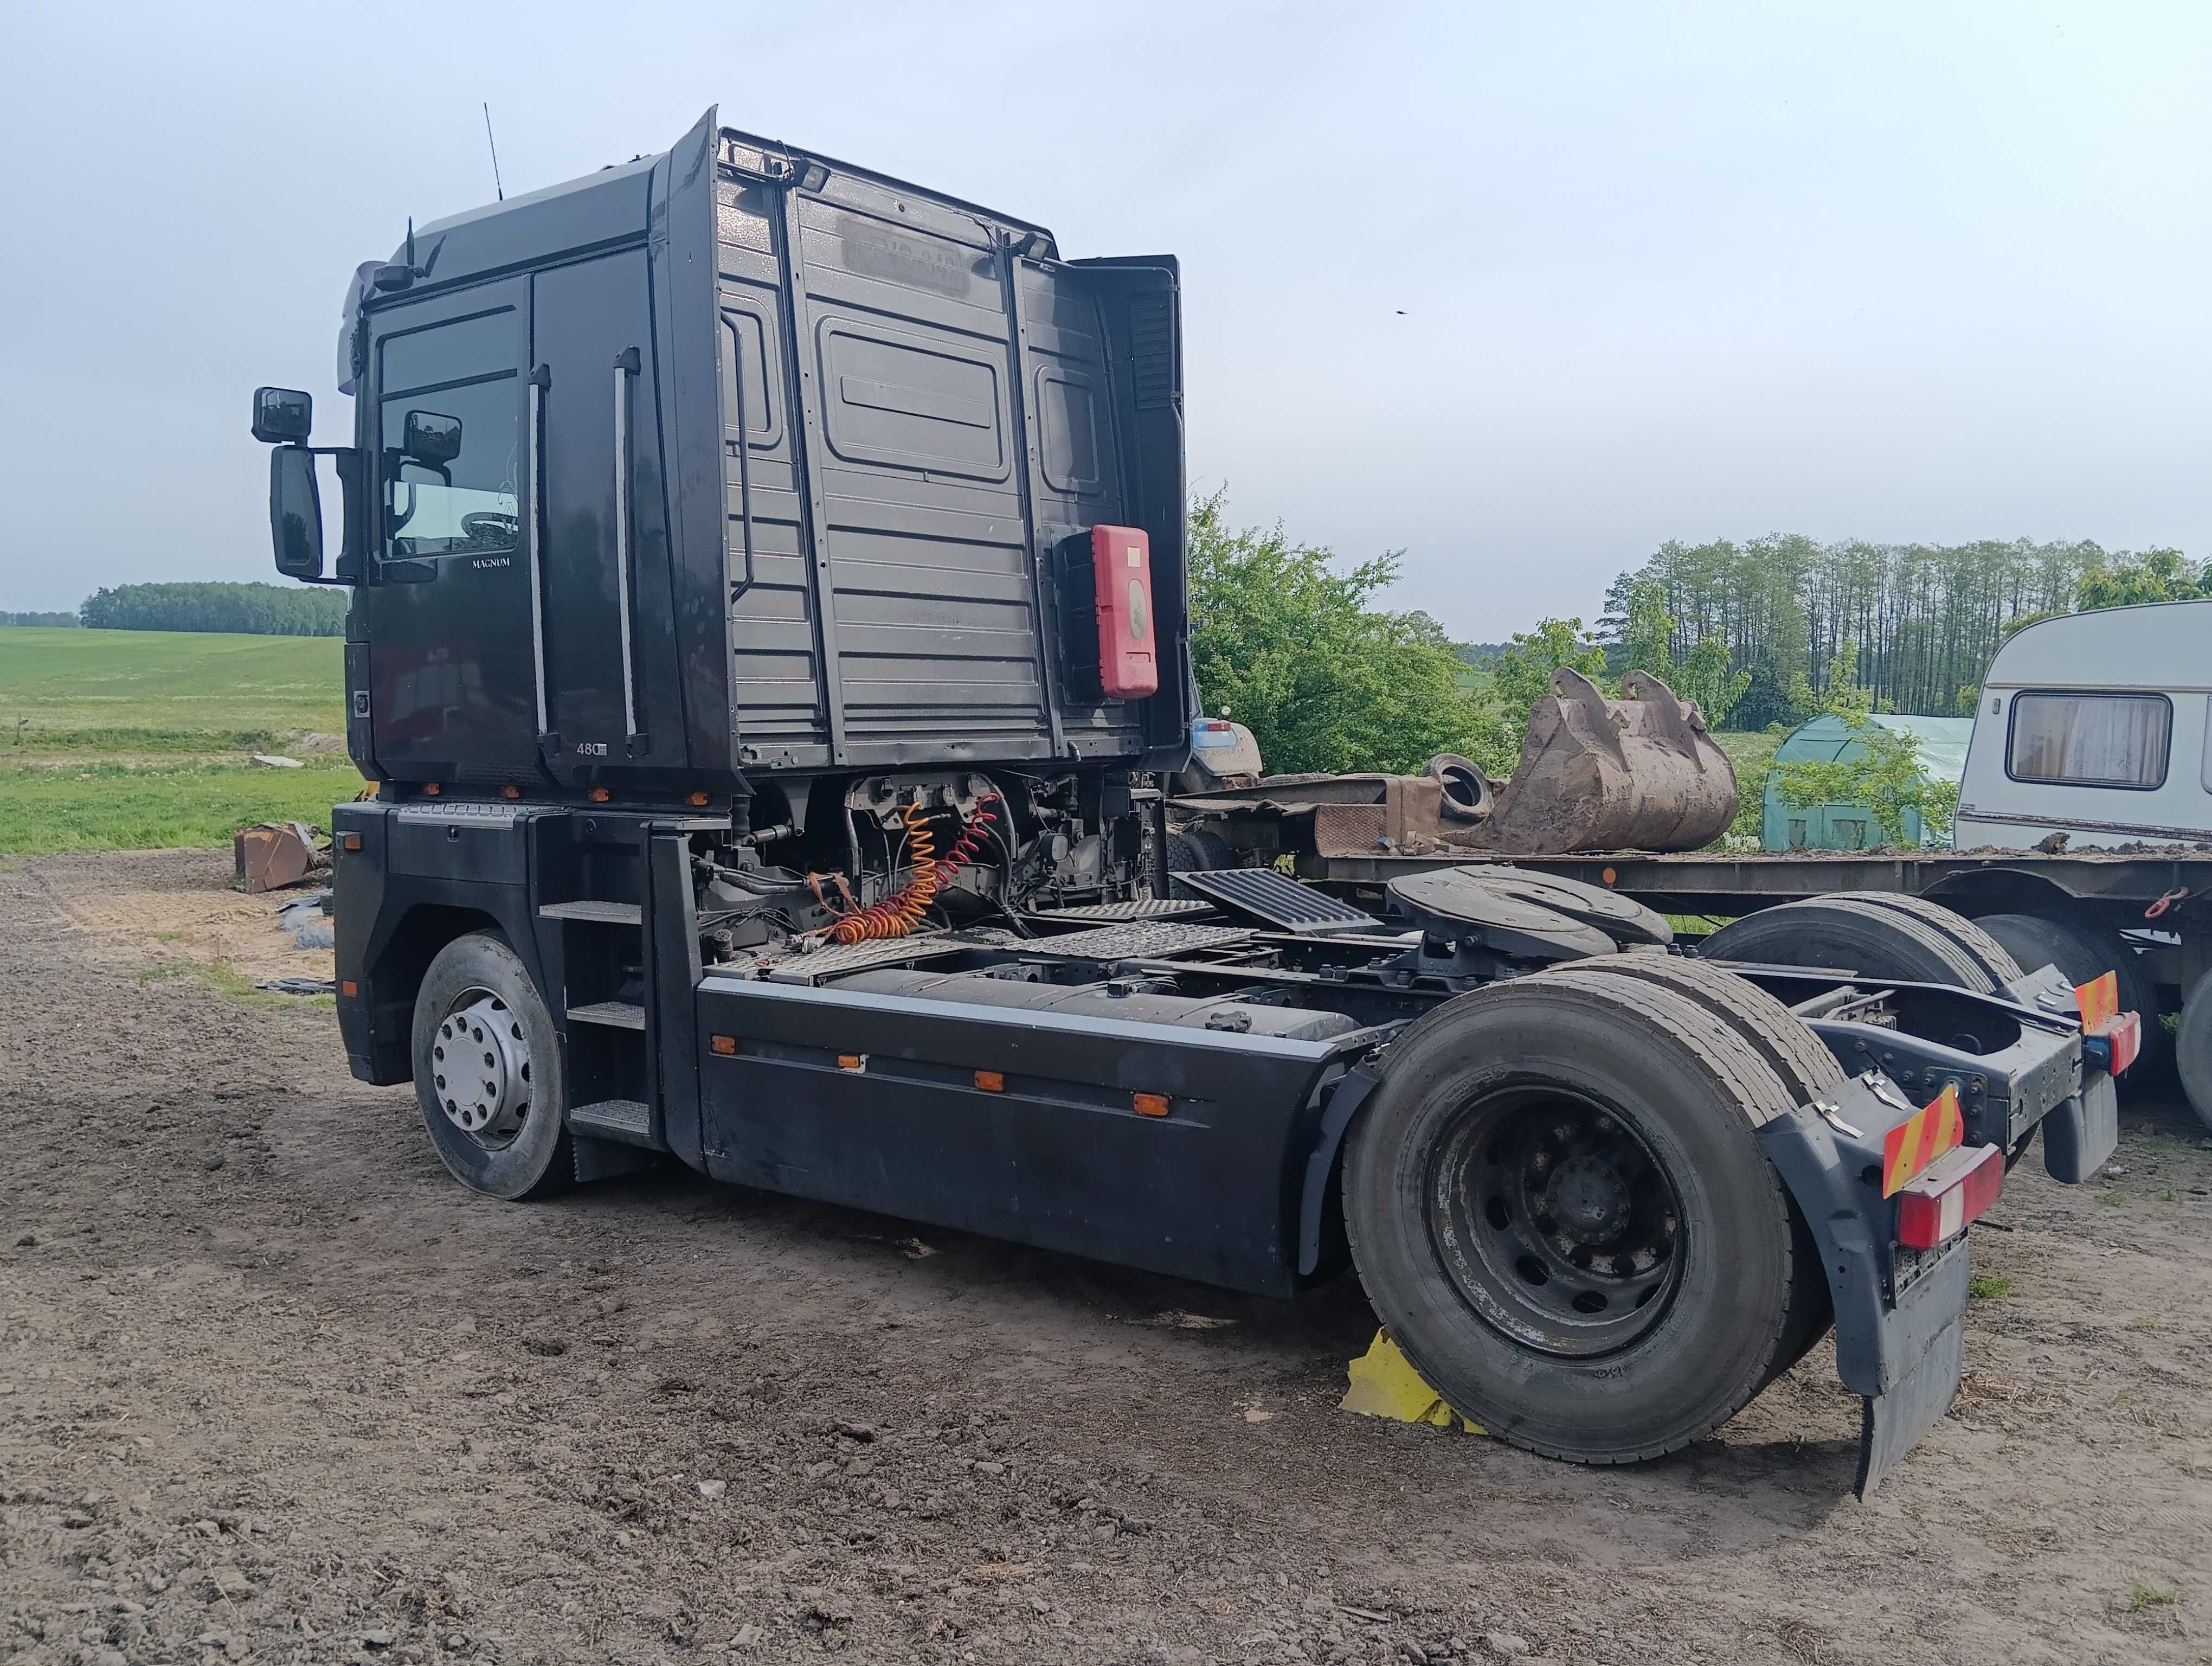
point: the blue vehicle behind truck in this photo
(768, 644)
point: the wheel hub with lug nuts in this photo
(1555, 1219)
(480, 1062)
(1589, 1200)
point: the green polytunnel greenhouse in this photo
(1828, 739)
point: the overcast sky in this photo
(1522, 289)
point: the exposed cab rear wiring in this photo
(900, 913)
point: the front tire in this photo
(488, 1071)
(1560, 1210)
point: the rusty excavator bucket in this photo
(1640, 773)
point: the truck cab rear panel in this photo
(761, 466)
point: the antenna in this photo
(494, 143)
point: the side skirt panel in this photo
(873, 1101)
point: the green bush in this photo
(1325, 681)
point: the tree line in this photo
(260, 609)
(1913, 625)
(48, 620)
(1293, 640)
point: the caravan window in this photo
(2090, 739)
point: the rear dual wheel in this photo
(1878, 934)
(1559, 1208)
(2083, 950)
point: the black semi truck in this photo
(767, 642)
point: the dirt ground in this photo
(274, 1389)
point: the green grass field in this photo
(139, 739)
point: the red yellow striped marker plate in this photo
(1920, 1138)
(2098, 999)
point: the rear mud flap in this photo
(1898, 1349)
(1889, 1423)
(2083, 1133)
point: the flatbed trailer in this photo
(2118, 890)
(768, 638)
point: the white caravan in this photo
(2094, 731)
(2097, 726)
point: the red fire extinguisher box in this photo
(1106, 595)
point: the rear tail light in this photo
(1950, 1192)
(2112, 1045)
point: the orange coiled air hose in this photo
(898, 914)
(903, 910)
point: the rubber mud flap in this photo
(1890, 1423)
(2083, 1133)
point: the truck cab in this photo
(769, 644)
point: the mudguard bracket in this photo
(1898, 1312)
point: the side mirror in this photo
(295, 511)
(282, 414)
(430, 438)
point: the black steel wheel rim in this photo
(1555, 1219)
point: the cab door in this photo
(449, 689)
(612, 693)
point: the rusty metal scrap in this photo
(275, 855)
(1638, 774)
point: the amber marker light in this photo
(598, 795)
(1150, 1104)
(990, 1081)
(726, 1045)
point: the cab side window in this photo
(2090, 739)
(449, 437)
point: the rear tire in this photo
(1795, 1053)
(1996, 960)
(2192, 1050)
(478, 1007)
(1196, 850)
(2082, 951)
(1809, 1072)
(1855, 934)
(1519, 1165)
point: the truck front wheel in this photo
(1558, 1206)
(488, 1071)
